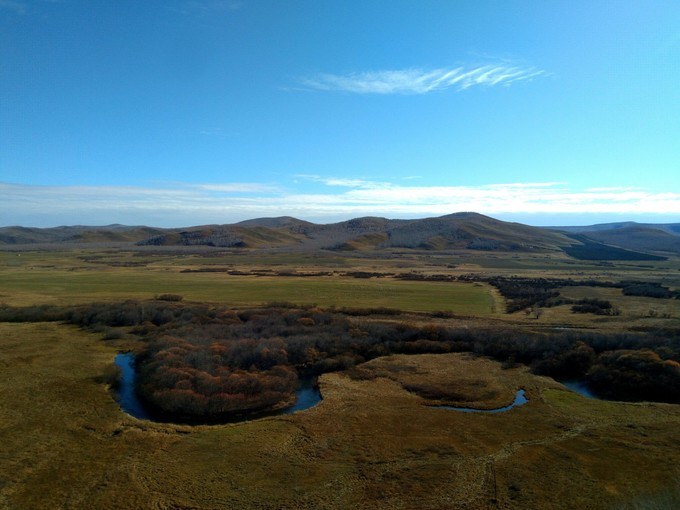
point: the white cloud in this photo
(342, 181)
(421, 81)
(238, 187)
(332, 199)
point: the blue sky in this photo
(185, 112)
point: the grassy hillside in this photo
(473, 231)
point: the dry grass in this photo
(369, 444)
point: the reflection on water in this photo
(307, 395)
(520, 400)
(127, 397)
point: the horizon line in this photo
(347, 219)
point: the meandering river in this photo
(307, 395)
(520, 400)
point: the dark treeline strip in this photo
(655, 290)
(38, 313)
(202, 361)
(523, 293)
(595, 306)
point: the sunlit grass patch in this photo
(26, 286)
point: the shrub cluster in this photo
(38, 313)
(596, 306)
(522, 293)
(655, 290)
(635, 375)
(170, 297)
(206, 381)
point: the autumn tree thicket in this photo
(200, 362)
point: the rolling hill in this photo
(671, 228)
(76, 234)
(454, 231)
(459, 231)
(636, 237)
(647, 237)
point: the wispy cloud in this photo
(163, 205)
(20, 8)
(332, 199)
(421, 81)
(238, 187)
(342, 181)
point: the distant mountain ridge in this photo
(463, 230)
(671, 228)
(453, 231)
(662, 237)
(76, 234)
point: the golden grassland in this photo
(369, 444)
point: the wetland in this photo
(408, 334)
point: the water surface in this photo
(127, 396)
(579, 387)
(520, 400)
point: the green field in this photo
(65, 280)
